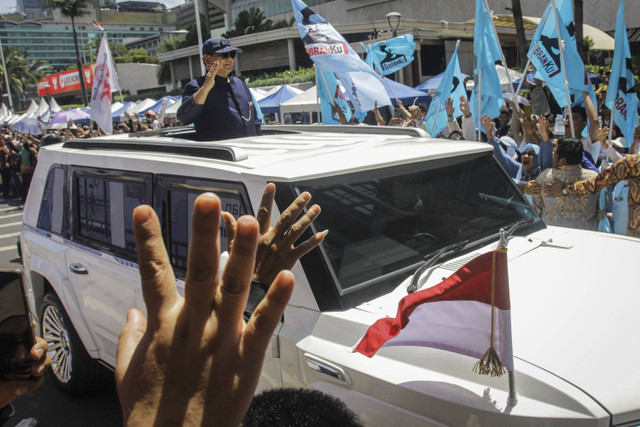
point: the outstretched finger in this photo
(230, 228)
(267, 315)
(204, 252)
(305, 247)
(301, 225)
(291, 213)
(156, 275)
(266, 205)
(236, 279)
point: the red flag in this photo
(466, 313)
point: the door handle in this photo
(326, 368)
(78, 268)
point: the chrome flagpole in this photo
(512, 400)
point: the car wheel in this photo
(72, 369)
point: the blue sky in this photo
(9, 6)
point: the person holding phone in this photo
(23, 357)
(219, 105)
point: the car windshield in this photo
(382, 223)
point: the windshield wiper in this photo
(430, 261)
(517, 225)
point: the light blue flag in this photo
(603, 225)
(545, 52)
(328, 89)
(451, 86)
(332, 54)
(258, 109)
(622, 98)
(389, 56)
(486, 51)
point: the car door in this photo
(101, 259)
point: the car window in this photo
(176, 196)
(104, 204)
(383, 223)
(52, 215)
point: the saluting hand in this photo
(210, 79)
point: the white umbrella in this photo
(502, 75)
(520, 99)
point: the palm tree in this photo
(22, 73)
(516, 9)
(72, 9)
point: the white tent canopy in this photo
(43, 107)
(173, 109)
(306, 102)
(53, 106)
(143, 105)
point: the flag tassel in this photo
(490, 363)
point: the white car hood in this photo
(574, 312)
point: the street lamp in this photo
(394, 16)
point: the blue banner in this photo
(451, 86)
(332, 54)
(486, 51)
(389, 56)
(546, 57)
(329, 92)
(622, 98)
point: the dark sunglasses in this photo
(226, 55)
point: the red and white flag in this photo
(98, 25)
(466, 313)
(104, 82)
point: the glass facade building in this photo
(55, 45)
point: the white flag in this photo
(104, 82)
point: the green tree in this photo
(73, 9)
(169, 44)
(249, 22)
(117, 49)
(192, 35)
(22, 72)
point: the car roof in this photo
(285, 153)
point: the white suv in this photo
(390, 198)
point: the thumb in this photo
(130, 337)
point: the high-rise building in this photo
(33, 8)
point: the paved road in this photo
(48, 406)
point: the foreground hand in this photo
(194, 361)
(553, 190)
(9, 390)
(275, 245)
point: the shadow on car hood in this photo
(573, 311)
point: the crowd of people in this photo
(560, 170)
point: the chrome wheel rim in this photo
(54, 332)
